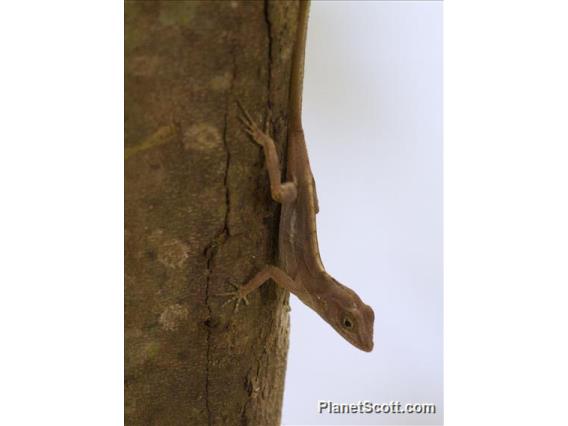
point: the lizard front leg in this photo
(281, 192)
(268, 272)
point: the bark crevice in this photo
(268, 21)
(223, 235)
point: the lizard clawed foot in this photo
(251, 128)
(237, 296)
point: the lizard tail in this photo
(297, 77)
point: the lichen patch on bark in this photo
(202, 137)
(172, 316)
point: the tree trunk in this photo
(198, 212)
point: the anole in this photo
(300, 268)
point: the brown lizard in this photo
(300, 268)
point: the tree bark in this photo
(198, 211)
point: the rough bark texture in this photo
(198, 212)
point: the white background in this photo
(505, 210)
(373, 125)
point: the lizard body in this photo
(301, 270)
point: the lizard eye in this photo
(347, 323)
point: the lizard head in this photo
(350, 317)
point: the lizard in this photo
(300, 269)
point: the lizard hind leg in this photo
(282, 192)
(235, 296)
